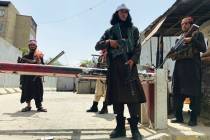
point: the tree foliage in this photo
(86, 63)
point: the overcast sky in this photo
(76, 25)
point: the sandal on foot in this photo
(41, 109)
(26, 109)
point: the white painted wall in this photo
(147, 58)
(66, 84)
(8, 53)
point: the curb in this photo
(10, 90)
(4, 91)
(49, 89)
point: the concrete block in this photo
(10, 90)
(86, 86)
(144, 114)
(3, 91)
(160, 120)
(17, 90)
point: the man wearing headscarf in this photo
(32, 86)
(123, 84)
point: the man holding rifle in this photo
(123, 84)
(187, 72)
(32, 86)
(100, 90)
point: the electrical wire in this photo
(76, 15)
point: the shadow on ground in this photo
(21, 114)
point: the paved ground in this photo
(67, 119)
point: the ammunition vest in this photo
(125, 45)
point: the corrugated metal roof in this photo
(198, 9)
(4, 3)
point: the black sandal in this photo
(26, 109)
(41, 109)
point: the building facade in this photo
(15, 28)
(25, 30)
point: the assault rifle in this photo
(26, 60)
(179, 46)
(122, 50)
(55, 58)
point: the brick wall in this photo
(205, 102)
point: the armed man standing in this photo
(100, 90)
(32, 86)
(123, 84)
(187, 73)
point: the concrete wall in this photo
(24, 31)
(85, 86)
(205, 103)
(66, 84)
(205, 28)
(22, 34)
(3, 21)
(8, 53)
(11, 22)
(50, 82)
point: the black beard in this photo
(32, 50)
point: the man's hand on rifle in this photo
(130, 63)
(19, 60)
(172, 56)
(25, 60)
(187, 40)
(113, 43)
